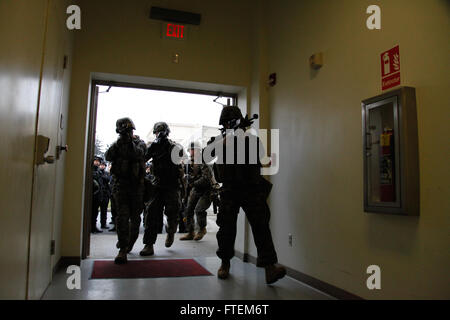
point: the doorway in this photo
(192, 115)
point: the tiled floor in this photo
(246, 282)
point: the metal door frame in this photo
(92, 124)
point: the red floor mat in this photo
(148, 269)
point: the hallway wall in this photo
(318, 193)
(33, 93)
(117, 37)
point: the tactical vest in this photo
(237, 174)
(166, 172)
(126, 167)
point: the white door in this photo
(45, 177)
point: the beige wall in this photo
(117, 37)
(33, 93)
(318, 193)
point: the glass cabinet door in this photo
(382, 153)
(391, 153)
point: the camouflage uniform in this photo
(243, 186)
(128, 169)
(183, 195)
(97, 197)
(165, 197)
(101, 192)
(106, 195)
(113, 204)
(200, 177)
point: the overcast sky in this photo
(145, 107)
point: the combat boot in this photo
(169, 239)
(274, 273)
(147, 251)
(121, 257)
(200, 234)
(188, 236)
(224, 270)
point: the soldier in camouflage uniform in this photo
(184, 195)
(106, 194)
(199, 179)
(128, 170)
(113, 202)
(243, 186)
(165, 193)
(98, 193)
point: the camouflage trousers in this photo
(253, 202)
(163, 201)
(197, 205)
(129, 205)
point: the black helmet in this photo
(230, 113)
(100, 159)
(161, 127)
(124, 125)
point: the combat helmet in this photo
(161, 127)
(124, 125)
(229, 113)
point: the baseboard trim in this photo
(320, 285)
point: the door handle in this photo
(60, 149)
(63, 148)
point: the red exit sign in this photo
(174, 31)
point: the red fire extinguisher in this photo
(387, 166)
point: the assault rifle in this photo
(243, 123)
(235, 124)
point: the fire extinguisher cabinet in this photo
(390, 152)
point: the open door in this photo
(85, 250)
(44, 193)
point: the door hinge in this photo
(66, 60)
(52, 247)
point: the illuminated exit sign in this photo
(174, 31)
